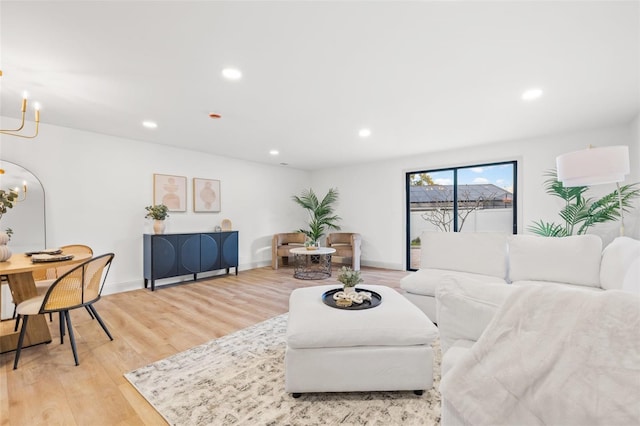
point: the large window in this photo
(480, 198)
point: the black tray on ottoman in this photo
(328, 300)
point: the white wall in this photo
(97, 186)
(635, 150)
(372, 196)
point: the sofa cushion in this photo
(465, 307)
(572, 260)
(426, 304)
(482, 253)
(425, 281)
(620, 266)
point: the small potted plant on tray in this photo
(349, 278)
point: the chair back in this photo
(341, 238)
(53, 273)
(76, 248)
(289, 238)
(72, 249)
(79, 286)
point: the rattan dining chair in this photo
(77, 288)
(43, 278)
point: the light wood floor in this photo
(47, 388)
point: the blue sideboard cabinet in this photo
(172, 255)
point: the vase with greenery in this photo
(7, 201)
(349, 278)
(158, 213)
(321, 213)
(580, 212)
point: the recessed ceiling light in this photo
(150, 124)
(531, 94)
(232, 73)
(364, 133)
(274, 152)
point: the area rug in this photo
(239, 380)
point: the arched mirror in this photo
(27, 217)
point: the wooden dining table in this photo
(19, 272)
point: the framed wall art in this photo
(170, 191)
(206, 195)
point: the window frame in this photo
(454, 169)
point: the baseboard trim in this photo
(383, 265)
(111, 288)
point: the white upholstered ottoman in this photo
(385, 348)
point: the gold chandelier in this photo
(17, 132)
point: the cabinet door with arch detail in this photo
(189, 254)
(229, 245)
(165, 256)
(209, 252)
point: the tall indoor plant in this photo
(321, 213)
(579, 212)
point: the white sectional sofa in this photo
(480, 256)
(496, 258)
(538, 354)
(470, 311)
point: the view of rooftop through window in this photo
(477, 198)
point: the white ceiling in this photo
(422, 75)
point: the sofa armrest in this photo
(464, 308)
(620, 267)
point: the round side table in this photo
(312, 264)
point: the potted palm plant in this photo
(321, 213)
(580, 212)
(158, 213)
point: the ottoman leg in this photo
(418, 392)
(296, 395)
